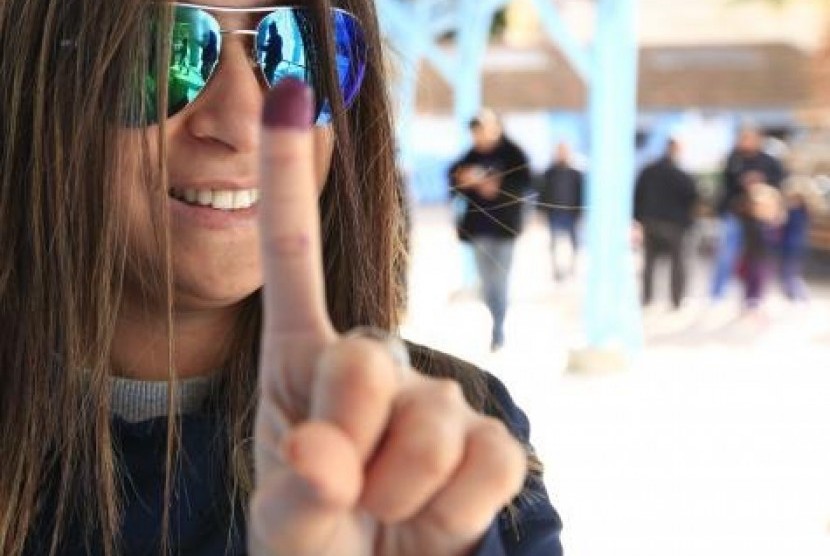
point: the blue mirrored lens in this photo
(284, 41)
(285, 48)
(350, 48)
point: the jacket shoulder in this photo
(484, 391)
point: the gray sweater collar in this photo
(141, 400)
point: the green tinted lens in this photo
(194, 52)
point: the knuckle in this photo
(448, 393)
(449, 518)
(491, 429)
(429, 453)
(503, 458)
(364, 352)
(288, 244)
(357, 365)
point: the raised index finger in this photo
(294, 290)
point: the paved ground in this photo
(715, 442)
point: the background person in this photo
(561, 196)
(492, 177)
(664, 202)
(803, 201)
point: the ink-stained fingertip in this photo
(290, 104)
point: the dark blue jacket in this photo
(501, 217)
(204, 523)
(561, 190)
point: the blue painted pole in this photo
(410, 50)
(612, 309)
(559, 33)
(471, 40)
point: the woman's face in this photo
(213, 155)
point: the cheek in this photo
(131, 191)
(323, 149)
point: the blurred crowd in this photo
(762, 214)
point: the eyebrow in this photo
(227, 9)
(335, 4)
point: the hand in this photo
(489, 188)
(468, 177)
(354, 455)
(637, 235)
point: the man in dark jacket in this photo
(664, 201)
(560, 198)
(491, 178)
(747, 157)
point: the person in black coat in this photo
(561, 194)
(664, 201)
(492, 178)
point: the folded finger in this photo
(299, 505)
(421, 450)
(491, 474)
(355, 385)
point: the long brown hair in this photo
(64, 258)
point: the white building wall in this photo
(803, 23)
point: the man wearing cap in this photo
(492, 178)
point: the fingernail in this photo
(289, 104)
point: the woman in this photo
(176, 294)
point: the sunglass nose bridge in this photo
(252, 52)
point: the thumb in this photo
(300, 503)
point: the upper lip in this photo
(214, 184)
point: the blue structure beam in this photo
(472, 38)
(612, 310)
(408, 24)
(576, 54)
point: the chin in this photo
(198, 297)
(213, 274)
(215, 284)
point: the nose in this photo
(228, 111)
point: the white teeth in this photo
(205, 197)
(241, 199)
(220, 199)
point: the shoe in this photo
(497, 342)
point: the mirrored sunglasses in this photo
(284, 46)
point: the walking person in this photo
(664, 202)
(273, 52)
(561, 194)
(747, 156)
(803, 202)
(761, 212)
(492, 177)
(199, 310)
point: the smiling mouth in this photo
(219, 199)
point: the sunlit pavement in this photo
(715, 442)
